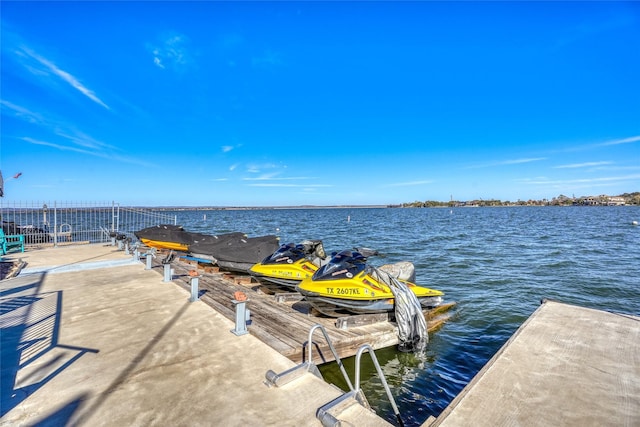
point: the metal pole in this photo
(167, 272)
(241, 317)
(55, 224)
(194, 289)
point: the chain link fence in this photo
(62, 223)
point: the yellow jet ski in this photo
(347, 285)
(291, 263)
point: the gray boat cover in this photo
(413, 335)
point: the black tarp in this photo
(237, 253)
(166, 233)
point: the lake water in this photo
(496, 263)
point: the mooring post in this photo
(167, 272)
(194, 288)
(126, 248)
(136, 254)
(242, 316)
(149, 260)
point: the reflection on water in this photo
(497, 263)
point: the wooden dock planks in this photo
(285, 326)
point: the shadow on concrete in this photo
(6, 292)
(65, 267)
(86, 414)
(62, 417)
(29, 332)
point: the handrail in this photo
(333, 350)
(368, 348)
(273, 379)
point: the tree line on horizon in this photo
(561, 200)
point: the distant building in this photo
(615, 201)
(591, 201)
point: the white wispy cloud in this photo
(543, 181)
(275, 177)
(519, 161)
(52, 68)
(628, 140)
(22, 113)
(61, 129)
(583, 165)
(79, 138)
(408, 184)
(508, 162)
(172, 52)
(281, 184)
(226, 148)
(54, 145)
(257, 168)
(104, 155)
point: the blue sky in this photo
(318, 103)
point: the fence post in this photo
(55, 224)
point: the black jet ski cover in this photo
(239, 249)
(166, 233)
(177, 234)
(212, 240)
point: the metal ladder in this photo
(346, 399)
(273, 379)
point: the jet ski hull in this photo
(159, 244)
(287, 276)
(336, 307)
(286, 267)
(347, 285)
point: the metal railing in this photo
(273, 379)
(324, 414)
(55, 223)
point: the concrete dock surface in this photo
(565, 366)
(90, 337)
